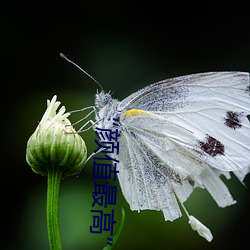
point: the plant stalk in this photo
(53, 186)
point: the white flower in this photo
(200, 228)
(50, 114)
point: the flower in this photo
(55, 143)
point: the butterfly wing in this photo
(213, 106)
(140, 182)
(181, 133)
(154, 167)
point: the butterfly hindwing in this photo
(141, 183)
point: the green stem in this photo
(54, 177)
(117, 233)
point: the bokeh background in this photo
(125, 45)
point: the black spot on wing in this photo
(212, 146)
(233, 119)
(190, 181)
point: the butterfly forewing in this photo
(212, 106)
(175, 93)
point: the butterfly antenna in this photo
(68, 60)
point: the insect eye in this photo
(106, 99)
(102, 99)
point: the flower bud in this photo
(55, 144)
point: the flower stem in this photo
(53, 185)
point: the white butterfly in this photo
(179, 134)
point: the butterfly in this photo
(176, 135)
(179, 134)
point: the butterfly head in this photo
(106, 109)
(102, 99)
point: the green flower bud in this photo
(55, 144)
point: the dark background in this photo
(125, 45)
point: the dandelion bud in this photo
(55, 143)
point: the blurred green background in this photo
(125, 47)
